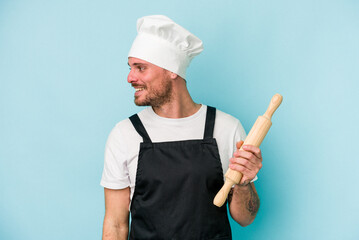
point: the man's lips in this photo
(138, 90)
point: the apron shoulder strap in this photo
(136, 122)
(210, 119)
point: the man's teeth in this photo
(139, 89)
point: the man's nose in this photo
(131, 77)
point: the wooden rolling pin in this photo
(255, 138)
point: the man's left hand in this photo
(248, 161)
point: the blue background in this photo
(63, 68)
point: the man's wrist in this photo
(241, 187)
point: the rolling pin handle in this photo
(273, 105)
(221, 196)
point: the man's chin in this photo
(140, 103)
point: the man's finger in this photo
(255, 150)
(239, 144)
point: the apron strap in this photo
(210, 119)
(136, 122)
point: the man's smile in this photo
(138, 90)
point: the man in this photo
(165, 164)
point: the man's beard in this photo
(157, 98)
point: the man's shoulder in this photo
(227, 125)
(124, 124)
(225, 118)
(124, 130)
(226, 122)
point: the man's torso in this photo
(122, 148)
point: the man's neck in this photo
(177, 110)
(181, 105)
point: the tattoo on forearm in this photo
(253, 202)
(246, 198)
(230, 195)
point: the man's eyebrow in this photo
(137, 64)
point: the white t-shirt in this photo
(123, 144)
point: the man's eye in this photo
(141, 68)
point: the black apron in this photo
(176, 183)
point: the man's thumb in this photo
(239, 144)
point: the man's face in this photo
(153, 84)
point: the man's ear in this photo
(173, 75)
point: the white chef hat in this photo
(166, 44)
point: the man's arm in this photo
(243, 203)
(115, 224)
(243, 198)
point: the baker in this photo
(164, 165)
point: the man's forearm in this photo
(113, 231)
(243, 203)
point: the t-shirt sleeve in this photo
(240, 134)
(115, 173)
